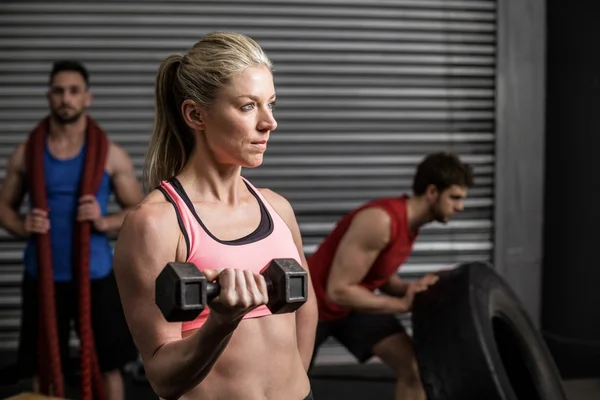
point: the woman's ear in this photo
(192, 115)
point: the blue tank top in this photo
(62, 189)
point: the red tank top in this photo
(387, 263)
(272, 239)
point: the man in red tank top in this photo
(364, 252)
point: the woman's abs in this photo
(261, 361)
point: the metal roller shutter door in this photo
(365, 90)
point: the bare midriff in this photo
(260, 362)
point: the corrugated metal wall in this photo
(365, 90)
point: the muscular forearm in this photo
(306, 326)
(12, 222)
(179, 366)
(360, 299)
(395, 287)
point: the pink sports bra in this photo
(271, 239)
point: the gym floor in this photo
(350, 382)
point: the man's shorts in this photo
(358, 332)
(113, 341)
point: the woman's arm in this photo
(146, 243)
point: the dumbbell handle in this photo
(214, 288)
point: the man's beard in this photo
(65, 120)
(438, 216)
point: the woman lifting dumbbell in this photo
(214, 115)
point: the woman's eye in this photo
(248, 107)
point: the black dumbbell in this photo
(181, 290)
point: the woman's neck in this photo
(206, 179)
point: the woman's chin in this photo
(253, 162)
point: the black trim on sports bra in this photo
(179, 220)
(263, 230)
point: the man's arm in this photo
(126, 186)
(12, 193)
(307, 315)
(395, 286)
(366, 237)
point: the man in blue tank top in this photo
(64, 153)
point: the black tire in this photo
(474, 340)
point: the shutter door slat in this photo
(190, 34)
(365, 89)
(415, 82)
(138, 46)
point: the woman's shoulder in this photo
(154, 212)
(280, 204)
(275, 199)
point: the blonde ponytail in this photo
(172, 142)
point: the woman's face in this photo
(238, 124)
